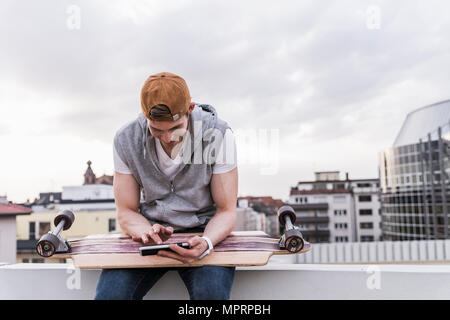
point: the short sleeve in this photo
(226, 159)
(119, 165)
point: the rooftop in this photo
(10, 209)
(318, 191)
(422, 121)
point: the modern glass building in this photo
(414, 177)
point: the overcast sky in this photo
(335, 79)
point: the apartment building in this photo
(329, 209)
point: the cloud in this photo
(314, 71)
(4, 130)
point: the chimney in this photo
(346, 176)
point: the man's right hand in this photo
(156, 233)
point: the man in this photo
(174, 153)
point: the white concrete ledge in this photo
(274, 281)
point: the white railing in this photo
(376, 252)
(274, 281)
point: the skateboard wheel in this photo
(294, 240)
(47, 245)
(294, 244)
(68, 218)
(286, 211)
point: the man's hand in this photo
(197, 247)
(146, 234)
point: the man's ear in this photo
(191, 107)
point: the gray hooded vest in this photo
(184, 200)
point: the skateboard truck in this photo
(292, 239)
(52, 242)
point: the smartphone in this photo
(152, 250)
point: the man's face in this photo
(169, 133)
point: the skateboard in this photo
(240, 248)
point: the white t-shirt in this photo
(226, 159)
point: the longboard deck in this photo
(240, 248)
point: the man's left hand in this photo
(197, 247)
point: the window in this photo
(112, 225)
(304, 214)
(32, 231)
(44, 227)
(363, 185)
(341, 212)
(322, 226)
(367, 198)
(366, 225)
(322, 213)
(341, 239)
(365, 212)
(367, 238)
(319, 186)
(301, 200)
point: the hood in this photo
(202, 112)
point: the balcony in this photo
(309, 206)
(316, 233)
(26, 246)
(311, 219)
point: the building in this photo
(258, 213)
(30, 228)
(414, 176)
(8, 214)
(367, 206)
(92, 203)
(329, 209)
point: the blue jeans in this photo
(202, 283)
